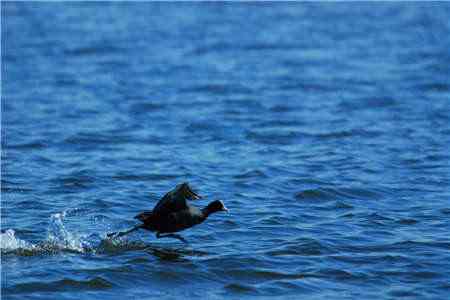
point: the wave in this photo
(96, 283)
(59, 239)
(330, 193)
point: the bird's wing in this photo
(175, 200)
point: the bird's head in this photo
(216, 206)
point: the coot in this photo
(173, 213)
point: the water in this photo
(323, 127)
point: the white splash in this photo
(59, 237)
(9, 241)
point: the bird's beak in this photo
(225, 209)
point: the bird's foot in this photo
(112, 235)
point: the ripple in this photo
(360, 259)
(146, 107)
(348, 133)
(76, 180)
(90, 139)
(281, 108)
(96, 283)
(301, 248)
(264, 46)
(274, 221)
(408, 221)
(144, 177)
(402, 293)
(29, 204)
(273, 137)
(209, 129)
(258, 275)
(308, 87)
(445, 211)
(408, 275)
(369, 103)
(93, 50)
(26, 146)
(327, 193)
(241, 288)
(251, 174)
(342, 205)
(280, 123)
(403, 246)
(435, 87)
(316, 194)
(6, 189)
(341, 275)
(217, 89)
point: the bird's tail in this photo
(122, 233)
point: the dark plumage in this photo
(173, 213)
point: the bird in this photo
(173, 213)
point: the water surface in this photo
(323, 127)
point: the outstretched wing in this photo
(175, 200)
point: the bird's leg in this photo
(122, 233)
(175, 236)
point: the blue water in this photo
(324, 128)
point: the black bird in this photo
(173, 213)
